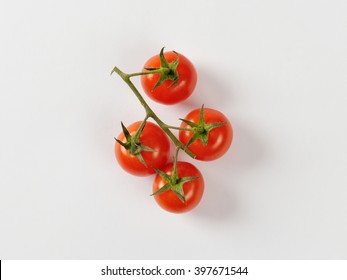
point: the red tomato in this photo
(153, 137)
(193, 190)
(165, 94)
(219, 138)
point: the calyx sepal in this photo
(167, 70)
(173, 181)
(201, 129)
(133, 144)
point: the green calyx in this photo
(173, 181)
(133, 144)
(201, 129)
(167, 70)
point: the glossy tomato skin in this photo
(219, 139)
(165, 94)
(193, 190)
(152, 136)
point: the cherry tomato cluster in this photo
(143, 148)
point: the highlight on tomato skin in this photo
(167, 93)
(193, 190)
(219, 138)
(153, 137)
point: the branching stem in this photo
(149, 112)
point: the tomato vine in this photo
(149, 112)
(205, 134)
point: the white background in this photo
(277, 69)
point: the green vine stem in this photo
(174, 171)
(149, 112)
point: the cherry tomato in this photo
(165, 94)
(219, 138)
(153, 137)
(193, 190)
